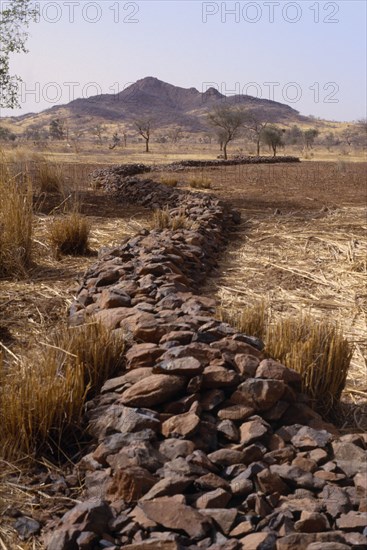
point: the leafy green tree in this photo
(14, 17)
(273, 138)
(227, 122)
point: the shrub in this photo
(318, 351)
(200, 183)
(42, 399)
(69, 234)
(16, 225)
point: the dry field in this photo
(301, 246)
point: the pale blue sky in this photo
(308, 54)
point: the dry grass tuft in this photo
(251, 320)
(49, 178)
(169, 180)
(165, 219)
(16, 225)
(42, 398)
(200, 183)
(317, 350)
(69, 234)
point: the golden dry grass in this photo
(49, 177)
(200, 183)
(42, 396)
(318, 351)
(249, 319)
(171, 181)
(33, 307)
(69, 234)
(16, 225)
(164, 219)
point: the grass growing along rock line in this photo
(69, 234)
(252, 320)
(316, 349)
(16, 225)
(164, 219)
(200, 183)
(42, 397)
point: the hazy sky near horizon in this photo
(310, 55)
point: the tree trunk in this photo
(225, 151)
(258, 147)
(147, 145)
(274, 150)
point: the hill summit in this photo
(167, 105)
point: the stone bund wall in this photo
(201, 442)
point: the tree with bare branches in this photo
(144, 127)
(255, 124)
(227, 122)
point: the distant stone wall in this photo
(201, 442)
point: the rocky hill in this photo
(165, 104)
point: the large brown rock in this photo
(259, 394)
(118, 418)
(224, 518)
(258, 541)
(169, 513)
(312, 522)
(307, 438)
(184, 366)
(350, 458)
(218, 498)
(120, 383)
(352, 521)
(89, 516)
(252, 430)
(219, 377)
(181, 425)
(143, 355)
(153, 390)
(269, 368)
(130, 484)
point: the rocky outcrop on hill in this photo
(201, 442)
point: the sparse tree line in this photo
(231, 123)
(225, 124)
